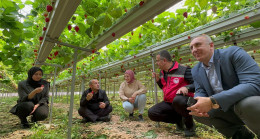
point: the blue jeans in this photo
(139, 103)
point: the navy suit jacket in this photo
(238, 73)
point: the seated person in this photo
(132, 92)
(33, 98)
(227, 83)
(94, 104)
(176, 82)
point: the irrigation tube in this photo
(72, 93)
(53, 87)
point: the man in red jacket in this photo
(177, 84)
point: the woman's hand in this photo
(34, 108)
(38, 89)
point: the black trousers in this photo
(172, 112)
(94, 115)
(25, 108)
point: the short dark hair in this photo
(165, 54)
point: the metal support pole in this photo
(72, 93)
(100, 83)
(68, 89)
(114, 89)
(155, 84)
(52, 95)
(105, 83)
(83, 86)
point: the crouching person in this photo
(94, 104)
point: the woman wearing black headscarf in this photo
(33, 98)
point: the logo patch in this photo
(176, 80)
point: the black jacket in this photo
(93, 104)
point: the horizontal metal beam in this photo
(225, 23)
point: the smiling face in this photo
(127, 78)
(202, 49)
(37, 76)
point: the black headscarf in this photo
(33, 83)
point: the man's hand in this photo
(34, 108)
(89, 96)
(132, 100)
(183, 90)
(156, 76)
(102, 105)
(201, 108)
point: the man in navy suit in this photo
(227, 89)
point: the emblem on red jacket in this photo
(176, 80)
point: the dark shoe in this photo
(33, 120)
(243, 133)
(104, 118)
(140, 118)
(25, 125)
(180, 126)
(190, 132)
(131, 116)
(85, 120)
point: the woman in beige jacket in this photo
(132, 92)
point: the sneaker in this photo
(243, 133)
(140, 118)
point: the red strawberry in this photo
(173, 56)
(180, 59)
(36, 54)
(185, 14)
(56, 53)
(134, 56)
(231, 33)
(93, 51)
(49, 8)
(86, 15)
(35, 50)
(72, 62)
(69, 27)
(41, 38)
(42, 86)
(246, 17)
(189, 37)
(68, 65)
(189, 59)
(50, 54)
(254, 51)
(93, 58)
(49, 58)
(152, 20)
(45, 14)
(44, 28)
(125, 10)
(92, 92)
(140, 35)
(113, 34)
(132, 33)
(76, 28)
(47, 19)
(141, 3)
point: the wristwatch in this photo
(214, 103)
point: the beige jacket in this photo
(127, 90)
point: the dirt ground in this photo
(115, 129)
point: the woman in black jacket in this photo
(33, 98)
